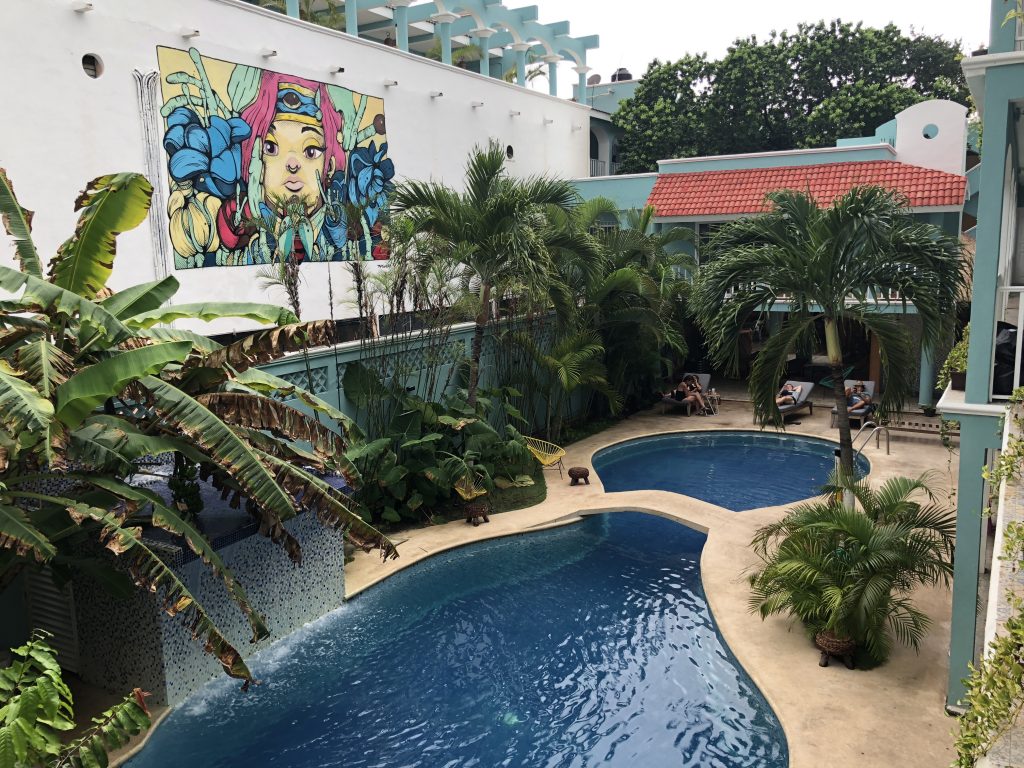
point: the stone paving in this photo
(833, 717)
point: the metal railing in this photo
(875, 432)
(597, 167)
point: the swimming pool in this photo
(736, 470)
(585, 645)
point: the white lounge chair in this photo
(667, 401)
(860, 413)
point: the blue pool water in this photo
(589, 645)
(735, 470)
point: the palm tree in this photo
(850, 572)
(840, 264)
(495, 229)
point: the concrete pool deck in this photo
(893, 715)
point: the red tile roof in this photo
(710, 193)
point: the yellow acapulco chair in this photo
(548, 454)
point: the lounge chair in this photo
(548, 454)
(860, 413)
(667, 401)
(801, 400)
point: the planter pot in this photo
(831, 645)
(958, 380)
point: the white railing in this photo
(596, 167)
(1010, 312)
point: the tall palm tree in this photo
(850, 572)
(840, 264)
(496, 229)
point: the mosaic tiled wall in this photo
(132, 643)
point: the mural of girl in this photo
(266, 166)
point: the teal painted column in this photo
(520, 50)
(291, 7)
(582, 70)
(352, 19)
(1001, 36)
(401, 14)
(482, 35)
(552, 62)
(977, 434)
(443, 30)
(1002, 84)
(926, 381)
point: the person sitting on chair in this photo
(788, 395)
(682, 394)
(695, 391)
(857, 397)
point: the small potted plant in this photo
(954, 370)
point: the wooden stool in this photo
(475, 510)
(579, 473)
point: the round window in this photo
(92, 65)
(509, 152)
(930, 131)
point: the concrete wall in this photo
(65, 128)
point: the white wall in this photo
(945, 151)
(61, 128)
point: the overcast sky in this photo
(667, 29)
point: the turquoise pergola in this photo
(512, 35)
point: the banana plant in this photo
(91, 381)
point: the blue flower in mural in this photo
(369, 178)
(209, 157)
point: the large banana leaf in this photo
(52, 301)
(112, 443)
(231, 454)
(166, 518)
(44, 365)
(109, 205)
(18, 534)
(266, 346)
(282, 421)
(150, 572)
(200, 343)
(260, 381)
(330, 506)
(144, 297)
(261, 313)
(18, 223)
(24, 414)
(83, 392)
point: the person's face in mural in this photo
(292, 157)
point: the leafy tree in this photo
(91, 381)
(850, 572)
(835, 265)
(36, 708)
(802, 89)
(495, 230)
(665, 117)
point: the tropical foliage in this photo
(36, 711)
(802, 89)
(92, 381)
(859, 262)
(852, 571)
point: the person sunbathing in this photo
(788, 395)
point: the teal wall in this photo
(1001, 36)
(626, 192)
(781, 160)
(599, 98)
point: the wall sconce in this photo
(268, 53)
(188, 32)
(337, 70)
(390, 83)
(476, 104)
(81, 6)
(513, 113)
(436, 94)
(577, 127)
(548, 120)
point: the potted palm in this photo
(847, 574)
(954, 371)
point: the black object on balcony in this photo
(1004, 359)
